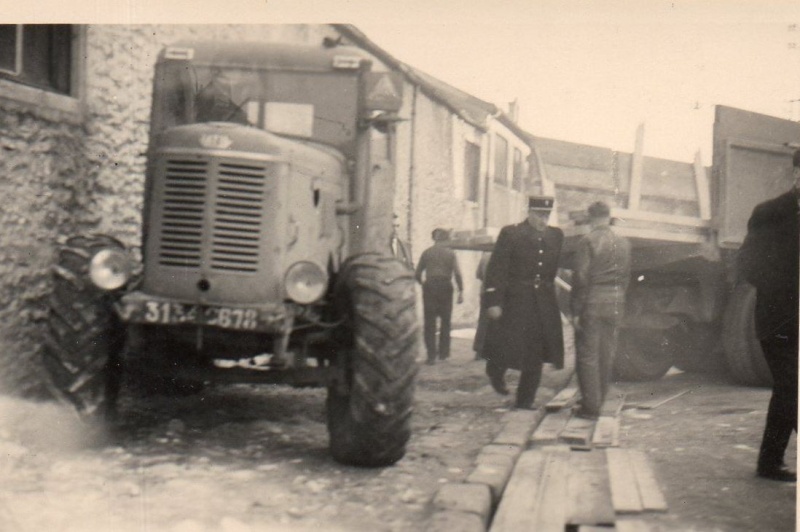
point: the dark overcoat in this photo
(520, 279)
(768, 259)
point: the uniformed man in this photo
(600, 278)
(768, 259)
(436, 268)
(525, 322)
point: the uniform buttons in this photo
(540, 264)
(541, 251)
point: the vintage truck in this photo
(686, 306)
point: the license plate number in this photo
(176, 313)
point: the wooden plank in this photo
(550, 428)
(624, 491)
(606, 432)
(655, 403)
(589, 501)
(563, 399)
(633, 525)
(703, 187)
(552, 508)
(635, 193)
(660, 217)
(578, 431)
(520, 502)
(649, 492)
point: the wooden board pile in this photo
(574, 476)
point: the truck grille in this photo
(218, 202)
(237, 217)
(182, 228)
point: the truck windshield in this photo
(320, 106)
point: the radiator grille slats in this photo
(224, 199)
(184, 194)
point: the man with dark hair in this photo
(436, 268)
(768, 260)
(525, 322)
(599, 281)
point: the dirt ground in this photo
(703, 446)
(240, 458)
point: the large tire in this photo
(696, 348)
(643, 355)
(84, 337)
(370, 425)
(743, 353)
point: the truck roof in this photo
(259, 55)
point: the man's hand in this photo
(460, 298)
(494, 313)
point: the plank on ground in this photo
(551, 515)
(655, 403)
(578, 431)
(624, 491)
(550, 428)
(589, 495)
(566, 397)
(606, 432)
(649, 492)
(632, 525)
(518, 507)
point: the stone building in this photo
(74, 114)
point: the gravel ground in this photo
(241, 458)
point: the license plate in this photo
(169, 313)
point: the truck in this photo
(686, 305)
(264, 257)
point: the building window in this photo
(472, 171)
(39, 55)
(518, 171)
(500, 160)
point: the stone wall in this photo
(58, 177)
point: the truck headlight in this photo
(306, 282)
(110, 269)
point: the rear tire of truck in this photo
(370, 425)
(642, 355)
(84, 338)
(743, 353)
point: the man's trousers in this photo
(781, 356)
(437, 302)
(595, 346)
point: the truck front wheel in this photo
(84, 338)
(370, 424)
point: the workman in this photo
(602, 268)
(436, 268)
(524, 319)
(768, 260)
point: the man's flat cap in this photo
(540, 203)
(598, 209)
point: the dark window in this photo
(500, 160)
(472, 171)
(517, 177)
(39, 55)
